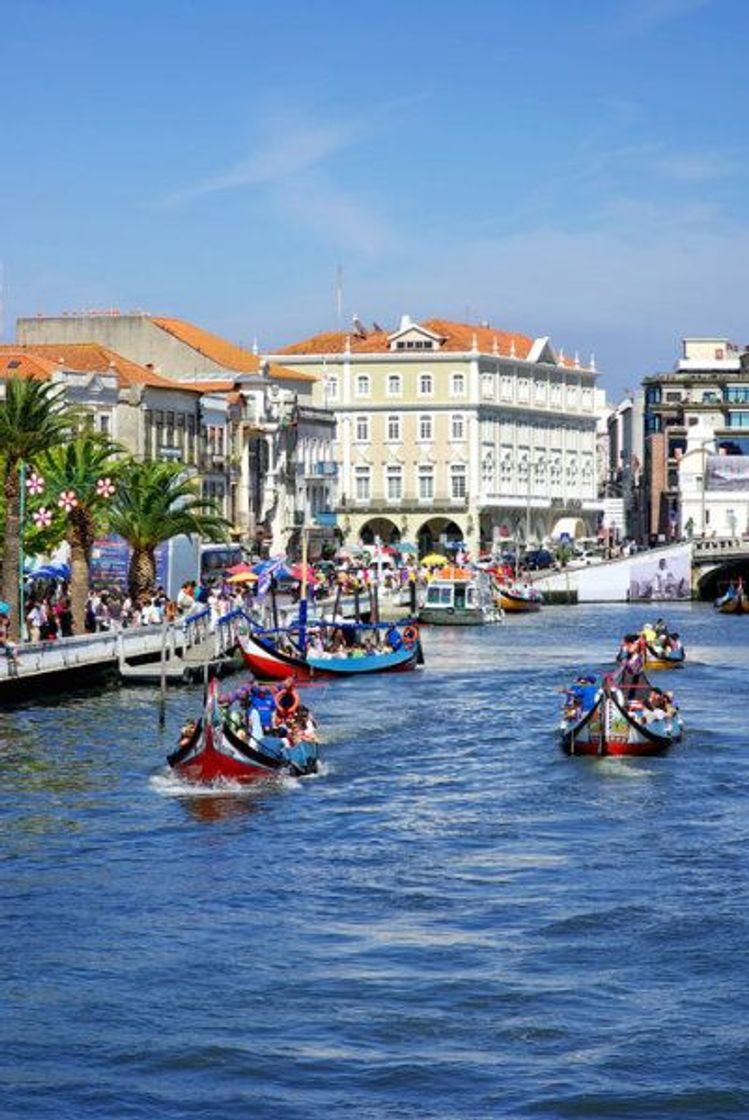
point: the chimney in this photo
(405, 323)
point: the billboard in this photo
(727, 472)
(662, 577)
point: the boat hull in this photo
(271, 664)
(452, 616)
(733, 604)
(517, 604)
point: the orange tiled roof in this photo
(456, 336)
(15, 363)
(90, 357)
(223, 353)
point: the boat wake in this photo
(168, 784)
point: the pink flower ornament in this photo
(34, 483)
(68, 501)
(105, 488)
(42, 518)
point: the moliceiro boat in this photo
(657, 646)
(734, 600)
(518, 598)
(623, 714)
(332, 649)
(227, 744)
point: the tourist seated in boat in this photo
(394, 638)
(303, 726)
(263, 702)
(187, 732)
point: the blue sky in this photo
(576, 168)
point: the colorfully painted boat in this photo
(620, 715)
(458, 597)
(216, 753)
(519, 599)
(734, 601)
(275, 654)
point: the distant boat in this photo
(734, 601)
(518, 598)
(458, 597)
(275, 654)
(659, 648)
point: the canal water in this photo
(453, 921)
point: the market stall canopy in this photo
(568, 528)
(243, 577)
(434, 560)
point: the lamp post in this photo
(21, 554)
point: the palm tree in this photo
(85, 472)
(156, 501)
(33, 418)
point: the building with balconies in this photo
(709, 386)
(448, 431)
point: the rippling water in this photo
(454, 920)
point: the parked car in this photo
(537, 559)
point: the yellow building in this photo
(448, 431)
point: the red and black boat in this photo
(216, 752)
(621, 715)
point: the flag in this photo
(266, 576)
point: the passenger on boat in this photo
(263, 703)
(187, 732)
(394, 639)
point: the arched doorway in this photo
(381, 527)
(714, 583)
(436, 534)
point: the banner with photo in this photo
(727, 472)
(662, 577)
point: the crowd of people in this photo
(256, 712)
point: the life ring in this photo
(410, 637)
(285, 710)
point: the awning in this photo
(569, 528)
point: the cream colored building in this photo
(452, 431)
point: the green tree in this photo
(33, 418)
(156, 501)
(82, 469)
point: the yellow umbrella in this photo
(243, 577)
(434, 560)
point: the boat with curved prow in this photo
(387, 648)
(518, 599)
(215, 752)
(659, 647)
(623, 715)
(458, 597)
(734, 600)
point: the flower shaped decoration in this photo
(42, 518)
(68, 500)
(34, 483)
(105, 488)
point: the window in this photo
(507, 387)
(395, 386)
(425, 429)
(362, 483)
(394, 483)
(457, 385)
(457, 426)
(362, 385)
(426, 484)
(415, 344)
(458, 488)
(105, 423)
(393, 429)
(362, 429)
(426, 385)
(487, 386)
(331, 387)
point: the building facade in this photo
(256, 419)
(708, 387)
(623, 479)
(452, 432)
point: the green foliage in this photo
(155, 501)
(33, 418)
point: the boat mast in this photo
(303, 595)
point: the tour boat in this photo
(609, 721)
(517, 599)
(665, 650)
(215, 752)
(458, 597)
(734, 601)
(276, 654)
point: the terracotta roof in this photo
(457, 337)
(90, 357)
(14, 363)
(223, 353)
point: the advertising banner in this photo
(662, 577)
(727, 472)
